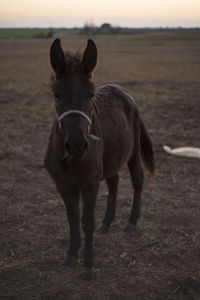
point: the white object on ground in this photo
(183, 151)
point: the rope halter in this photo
(74, 111)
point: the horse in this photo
(96, 132)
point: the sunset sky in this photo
(70, 13)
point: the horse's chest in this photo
(82, 173)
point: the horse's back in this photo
(114, 96)
(117, 113)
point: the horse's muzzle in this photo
(76, 149)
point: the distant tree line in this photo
(43, 34)
(106, 28)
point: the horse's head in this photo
(74, 92)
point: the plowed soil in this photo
(161, 259)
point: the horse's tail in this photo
(147, 150)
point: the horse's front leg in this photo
(71, 199)
(89, 195)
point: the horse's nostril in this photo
(86, 145)
(67, 145)
(76, 149)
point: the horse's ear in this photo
(89, 59)
(57, 57)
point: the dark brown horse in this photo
(95, 134)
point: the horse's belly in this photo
(117, 152)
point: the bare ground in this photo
(161, 259)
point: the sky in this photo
(76, 13)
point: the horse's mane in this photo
(73, 62)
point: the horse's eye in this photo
(56, 97)
(92, 97)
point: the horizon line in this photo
(77, 27)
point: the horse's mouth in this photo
(72, 155)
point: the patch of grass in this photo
(6, 33)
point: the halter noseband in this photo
(74, 111)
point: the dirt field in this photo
(161, 260)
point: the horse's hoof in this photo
(89, 274)
(130, 227)
(70, 260)
(103, 228)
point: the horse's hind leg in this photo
(112, 184)
(137, 175)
